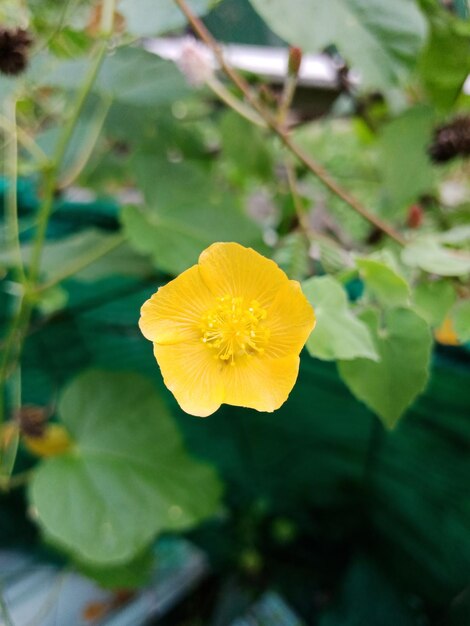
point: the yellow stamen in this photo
(234, 328)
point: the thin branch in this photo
(281, 132)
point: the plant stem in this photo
(287, 97)
(281, 132)
(234, 103)
(51, 174)
(23, 138)
(11, 170)
(83, 262)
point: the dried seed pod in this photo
(451, 140)
(14, 50)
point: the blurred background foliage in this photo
(352, 499)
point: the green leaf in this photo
(390, 289)
(460, 315)
(407, 170)
(131, 575)
(62, 256)
(186, 210)
(245, 147)
(379, 38)
(389, 386)
(130, 76)
(147, 17)
(338, 333)
(128, 476)
(367, 598)
(433, 300)
(444, 74)
(428, 255)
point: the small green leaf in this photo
(460, 315)
(389, 386)
(127, 477)
(180, 220)
(147, 17)
(433, 300)
(338, 333)
(390, 289)
(379, 38)
(428, 255)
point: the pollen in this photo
(234, 329)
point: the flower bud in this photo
(295, 60)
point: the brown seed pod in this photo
(451, 140)
(14, 49)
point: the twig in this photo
(281, 132)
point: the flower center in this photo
(234, 328)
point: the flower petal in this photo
(193, 375)
(174, 312)
(231, 269)
(261, 384)
(290, 320)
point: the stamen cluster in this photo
(234, 328)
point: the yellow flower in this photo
(228, 330)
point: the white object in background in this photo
(45, 595)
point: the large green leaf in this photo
(379, 38)
(128, 476)
(338, 333)
(427, 254)
(186, 210)
(407, 170)
(389, 386)
(445, 60)
(386, 284)
(147, 17)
